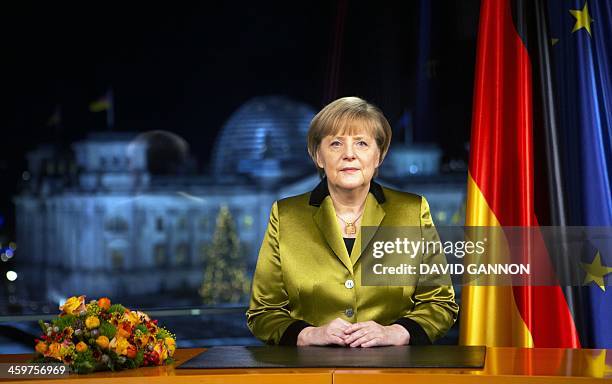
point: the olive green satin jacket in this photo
(305, 276)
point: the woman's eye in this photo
(335, 143)
(362, 143)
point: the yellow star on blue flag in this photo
(583, 19)
(595, 272)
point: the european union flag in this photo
(581, 39)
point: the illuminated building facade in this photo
(122, 215)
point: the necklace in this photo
(349, 226)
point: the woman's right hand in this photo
(332, 333)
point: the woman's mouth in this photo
(350, 170)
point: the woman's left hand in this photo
(371, 334)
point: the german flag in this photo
(508, 180)
(105, 103)
(101, 104)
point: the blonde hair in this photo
(348, 115)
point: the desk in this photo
(502, 365)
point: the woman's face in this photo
(349, 161)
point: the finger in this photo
(338, 334)
(343, 322)
(333, 339)
(355, 327)
(356, 335)
(339, 331)
(372, 343)
(361, 340)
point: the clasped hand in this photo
(365, 334)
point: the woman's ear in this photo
(380, 161)
(320, 162)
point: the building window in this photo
(182, 224)
(117, 259)
(116, 224)
(182, 254)
(159, 224)
(160, 255)
(247, 220)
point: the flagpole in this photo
(110, 113)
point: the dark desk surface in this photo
(426, 356)
(502, 365)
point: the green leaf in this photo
(84, 362)
(116, 308)
(64, 321)
(139, 358)
(107, 329)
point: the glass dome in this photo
(265, 137)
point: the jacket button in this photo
(349, 312)
(349, 284)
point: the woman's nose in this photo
(348, 152)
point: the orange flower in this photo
(102, 342)
(104, 303)
(124, 330)
(55, 351)
(41, 347)
(131, 351)
(81, 347)
(74, 305)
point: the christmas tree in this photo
(225, 275)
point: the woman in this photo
(306, 289)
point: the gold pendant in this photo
(350, 229)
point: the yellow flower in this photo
(116, 318)
(161, 350)
(74, 305)
(144, 340)
(120, 345)
(171, 344)
(68, 331)
(55, 351)
(102, 342)
(66, 350)
(81, 347)
(133, 318)
(92, 322)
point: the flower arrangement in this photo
(99, 336)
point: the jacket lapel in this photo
(373, 215)
(325, 218)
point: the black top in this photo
(349, 242)
(321, 191)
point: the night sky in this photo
(186, 67)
